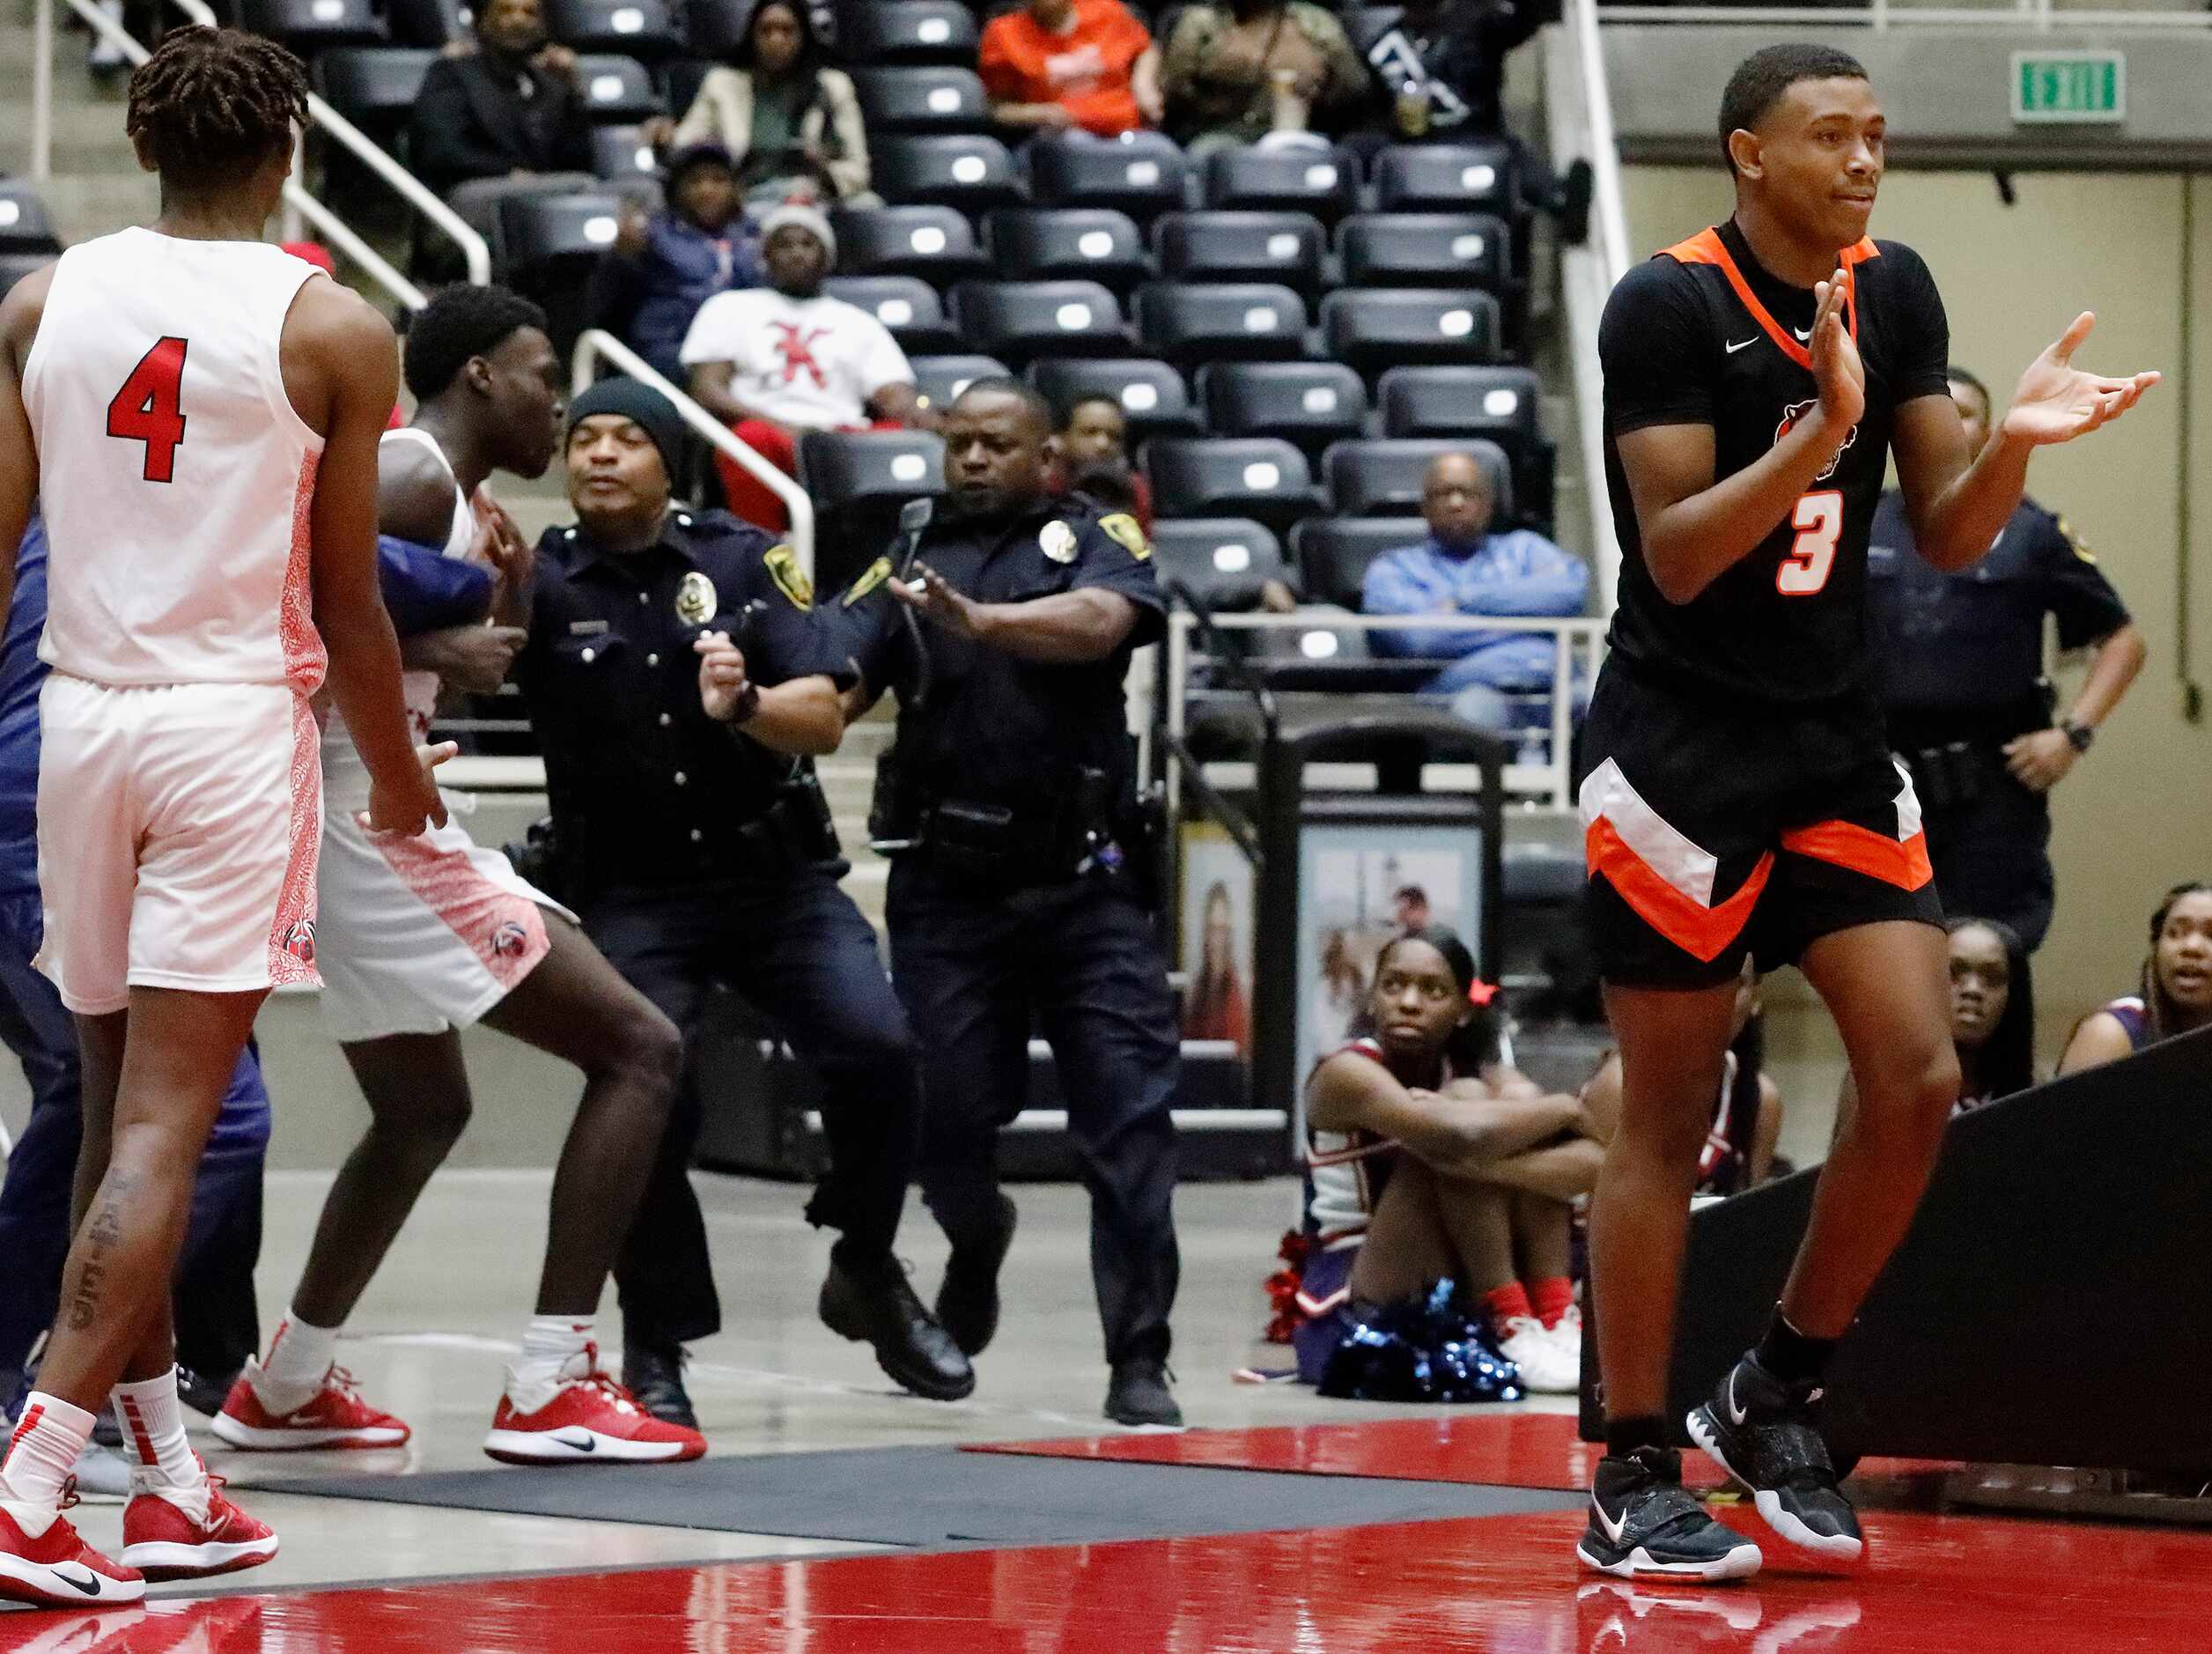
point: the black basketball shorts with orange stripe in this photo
(1717, 827)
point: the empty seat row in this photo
(1104, 245)
(26, 226)
(900, 31)
(1222, 558)
(376, 87)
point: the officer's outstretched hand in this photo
(723, 685)
(2056, 402)
(930, 596)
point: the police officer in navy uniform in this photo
(1969, 711)
(1018, 887)
(677, 680)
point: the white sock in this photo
(298, 1356)
(41, 1454)
(152, 1419)
(550, 1345)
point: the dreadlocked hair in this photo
(212, 104)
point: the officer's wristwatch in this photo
(2078, 736)
(748, 704)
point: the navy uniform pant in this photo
(799, 952)
(1086, 962)
(216, 1325)
(1992, 854)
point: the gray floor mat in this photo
(939, 1497)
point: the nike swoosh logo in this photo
(88, 1583)
(1736, 1415)
(1614, 1529)
(1744, 345)
(1804, 332)
(590, 1443)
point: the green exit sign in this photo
(2069, 86)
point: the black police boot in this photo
(653, 1375)
(1139, 1394)
(870, 1301)
(968, 1302)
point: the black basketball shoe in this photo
(1642, 1521)
(1766, 1435)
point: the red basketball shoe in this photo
(164, 1540)
(585, 1418)
(58, 1570)
(335, 1416)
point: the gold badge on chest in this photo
(696, 600)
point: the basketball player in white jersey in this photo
(197, 414)
(423, 937)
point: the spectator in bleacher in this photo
(1090, 454)
(1420, 1171)
(1464, 568)
(666, 264)
(1237, 72)
(1992, 1010)
(791, 123)
(2175, 995)
(503, 105)
(775, 362)
(1059, 64)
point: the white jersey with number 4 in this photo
(175, 474)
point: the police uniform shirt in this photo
(1701, 335)
(649, 783)
(991, 727)
(1961, 654)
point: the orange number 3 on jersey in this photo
(1818, 521)
(145, 408)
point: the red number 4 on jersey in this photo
(145, 408)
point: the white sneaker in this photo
(1546, 1368)
(1567, 1333)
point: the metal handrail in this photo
(597, 341)
(1576, 638)
(475, 251)
(326, 221)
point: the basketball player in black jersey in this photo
(1739, 796)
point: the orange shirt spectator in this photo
(1060, 64)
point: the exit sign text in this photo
(2069, 86)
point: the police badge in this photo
(1056, 541)
(696, 600)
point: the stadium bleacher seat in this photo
(936, 244)
(1333, 553)
(1212, 556)
(15, 266)
(1264, 478)
(432, 22)
(712, 29)
(1504, 404)
(621, 155)
(309, 26)
(1445, 178)
(374, 86)
(1383, 478)
(25, 226)
(1324, 183)
(971, 173)
(547, 244)
(1054, 243)
(937, 379)
(907, 304)
(1284, 248)
(1140, 174)
(906, 32)
(1018, 320)
(921, 98)
(1153, 396)
(617, 89)
(1309, 403)
(1425, 249)
(644, 29)
(858, 480)
(1378, 327)
(1192, 322)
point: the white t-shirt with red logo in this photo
(813, 363)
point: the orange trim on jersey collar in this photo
(1706, 247)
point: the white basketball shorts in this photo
(417, 936)
(178, 829)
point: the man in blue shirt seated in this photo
(1463, 568)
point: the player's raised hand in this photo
(1837, 368)
(413, 803)
(2056, 402)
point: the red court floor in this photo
(1945, 1584)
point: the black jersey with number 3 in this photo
(1702, 335)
